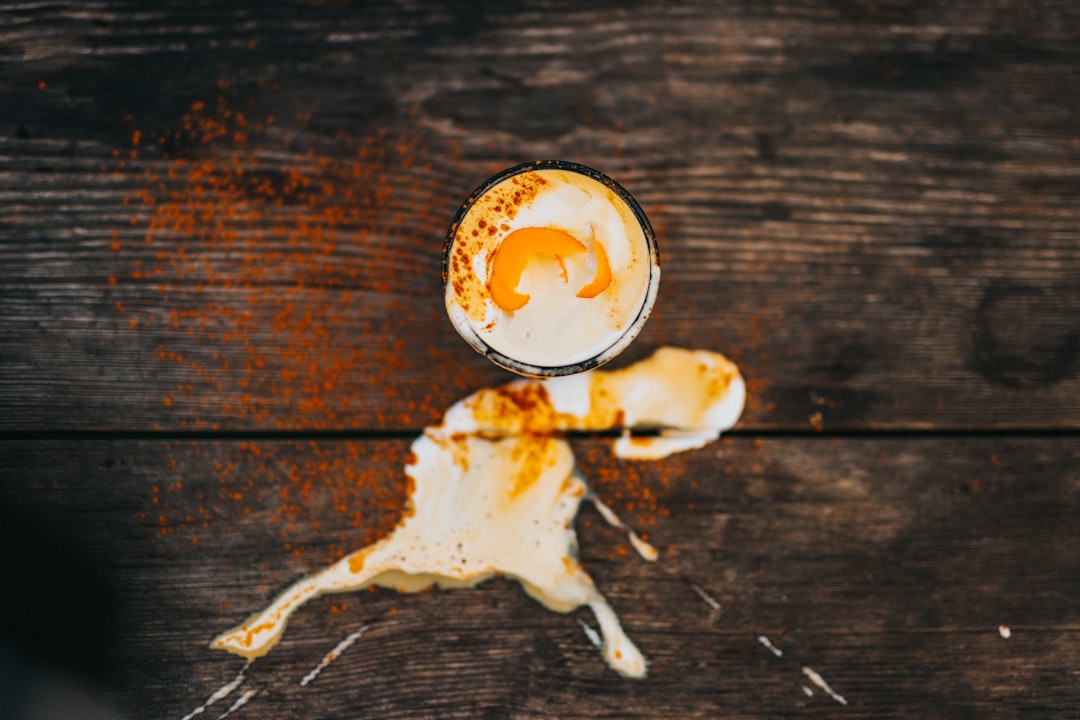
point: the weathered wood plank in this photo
(872, 207)
(886, 565)
(130, 358)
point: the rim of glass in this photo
(468, 332)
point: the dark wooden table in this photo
(221, 326)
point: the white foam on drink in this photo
(555, 327)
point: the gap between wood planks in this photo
(412, 433)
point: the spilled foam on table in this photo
(495, 489)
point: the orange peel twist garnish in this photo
(519, 247)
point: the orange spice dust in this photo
(265, 246)
(634, 489)
(284, 263)
(261, 241)
(320, 500)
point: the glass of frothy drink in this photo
(550, 268)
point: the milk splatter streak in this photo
(496, 489)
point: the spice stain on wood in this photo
(228, 214)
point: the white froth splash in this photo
(496, 490)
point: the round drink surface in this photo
(550, 268)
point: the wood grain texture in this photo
(886, 565)
(871, 206)
(220, 326)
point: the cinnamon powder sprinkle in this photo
(319, 500)
(281, 260)
(261, 243)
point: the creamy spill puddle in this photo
(495, 489)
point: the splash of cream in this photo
(495, 490)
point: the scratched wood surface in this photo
(871, 205)
(220, 227)
(886, 565)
